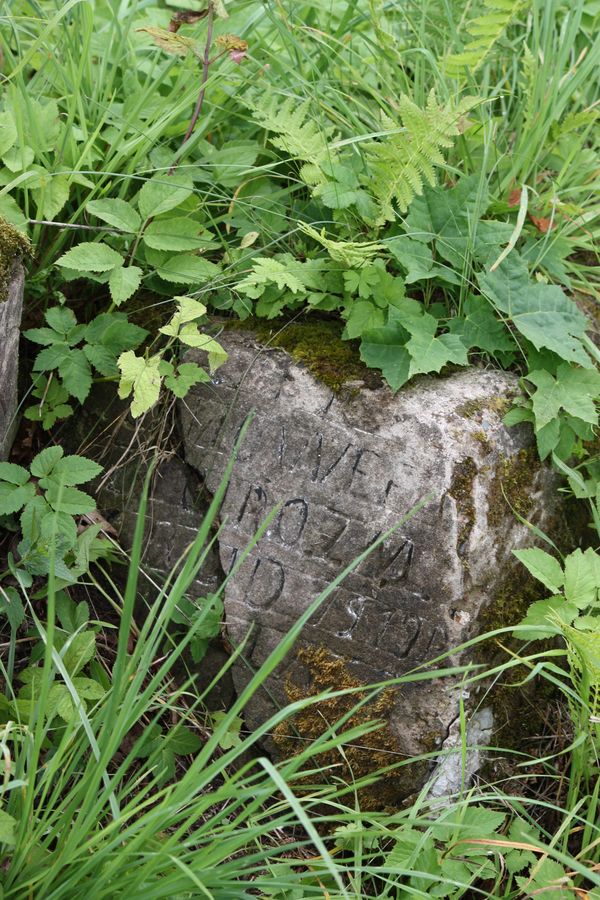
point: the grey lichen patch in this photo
(13, 244)
(362, 757)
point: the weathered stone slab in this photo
(344, 471)
(11, 305)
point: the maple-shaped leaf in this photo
(430, 353)
(542, 312)
(142, 377)
(573, 390)
(480, 327)
(385, 348)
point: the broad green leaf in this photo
(69, 500)
(11, 606)
(88, 688)
(142, 377)
(582, 577)
(123, 282)
(187, 269)
(103, 359)
(267, 271)
(385, 348)
(13, 473)
(573, 390)
(416, 257)
(543, 613)
(117, 213)
(176, 234)
(76, 375)
(114, 332)
(7, 829)
(72, 470)
(90, 257)
(462, 822)
(183, 741)
(51, 357)
(12, 212)
(428, 352)
(542, 566)
(187, 310)
(541, 312)
(192, 337)
(60, 528)
(362, 316)
(162, 193)
(44, 462)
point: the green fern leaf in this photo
(485, 31)
(401, 163)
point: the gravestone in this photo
(344, 469)
(11, 305)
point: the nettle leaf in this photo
(430, 353)
(13, 473)
(480, 327)
(142, 377)
(162, 193)
(542, 566)
(573, 390)
(124, 282)
(76, 375)
(176, 234)
(90, 257)
(385, 348)
(69, 500)
(44, 462)
(187, 269)
(541, 312)
(117, 213)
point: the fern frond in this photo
(399, 164)
(298, 136)
(354, 254)
(485, 31)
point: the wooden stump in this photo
(10, 320)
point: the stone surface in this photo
(10, 320)
(345, 469)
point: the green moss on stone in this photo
(13, 243)
(513, 485)
(473, 409)
(461, 488)
(318, 345)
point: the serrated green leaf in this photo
(184, 268)
(542, 566)
(542, 613)
(123, 282)
(142, 377)
(80, 650)
(362, 316)
(72, 470)
(177, 234)
(582, 577)
(61, 319)
(8, 825)
(573, 390)
(44, 462)
(428, 352)
(11, 606)
(541, 312)
(102, 359)
(88, 688)
(41, 335)
(416, 257)
(385, 348)
(8, 132)
(182, 741)
(90, 257)
(188, 374)
(69, 500)
(13, 497)
(480, 327)
(162, 193)
(192, 337)
(117, 213)
(76, 376)
(51, 357)
(13, 473)
(50, 194)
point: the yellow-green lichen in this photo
(317, 344)
(13, 243)
(362, 757)
(474, 409)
